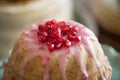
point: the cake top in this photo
(57, 34)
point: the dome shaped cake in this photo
(57, 50)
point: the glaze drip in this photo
(88, 45)
(62, 63)
(39, 49)
(78, 57)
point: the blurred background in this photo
(101, 16)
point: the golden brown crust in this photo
(34, 69)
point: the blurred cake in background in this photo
(102, 17)
(107, 13)
(16, 15)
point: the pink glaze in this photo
(88, 45)
(38, 49)
(78, 57)
(62, 63)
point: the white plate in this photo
(113, 56)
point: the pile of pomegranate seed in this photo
(57, 34)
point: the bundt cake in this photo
(57, 50)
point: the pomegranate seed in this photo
(41, 38)
(59, 45)
(66, 29)
(49, 31)
(42, 28)
(61, 24)
(60, 39)
(50, 42)
(67, 43)
(57, 34)
(49, 23)
(75, 29)
(70, 37)
(72, 33)
(51, 47)
(44, 34)
(77, 39)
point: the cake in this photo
(107, 15)
(57, 50)
(17, 15)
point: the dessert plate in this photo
(113, 56)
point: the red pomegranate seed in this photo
(44, 34)
(60, 39)
(77, 38)
(75, 29)
(71, 37)
(67, 43)
(51, 47)
(49, 23)
(66, 29)
(41, 38)
(58, 45)
(57, 34)
(61, 24)
(42, 28)
(73, 33)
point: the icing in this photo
(78, 57)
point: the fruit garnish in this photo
(57, 34)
